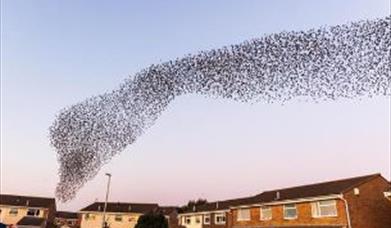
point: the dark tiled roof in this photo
(220, 205)
(122, 207)
(305, 191)
(66, 215)
(313, 190)
(167, 210)
(31, 221)
(30, 201)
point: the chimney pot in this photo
(278, 195)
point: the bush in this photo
(152, 220)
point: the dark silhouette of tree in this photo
(192, 204)
(152, 220)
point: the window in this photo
(325, 208)
(118, 218)
(32, 212)
(131, 219)
(187, 220)
(13, 211)
(89, 217)
(197, 220)
(206, 219)
(266, 213)
(243, 214)
(220, 218)
(290, 211)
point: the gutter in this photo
(347, 210)
(203, 212)
(279, 202)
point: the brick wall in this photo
(304, 217)
(370, 208)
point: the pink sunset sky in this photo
(56, 53)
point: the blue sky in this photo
(56, 53)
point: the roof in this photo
(167, 210)
(298, 192)
(31, 221)
(220, 205)
(314, 190)
(122, 207)
(30, 201)
(66, 215)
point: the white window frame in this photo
(316, 208)
(222, 215)
(240, 215)
(13, 211)
(197, 219)
(187, 218)
(261, 213)
(290, 207)
(205, 217)
(35, 214)
(118, 218)
(89, 216)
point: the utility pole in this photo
(107, 197)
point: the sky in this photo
(57, 53)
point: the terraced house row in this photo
(359, 202)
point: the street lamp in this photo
(107, 197)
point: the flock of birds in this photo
(343, 61)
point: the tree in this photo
(152, 220)
(193, 203)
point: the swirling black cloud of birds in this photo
(343, 61)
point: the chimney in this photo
(194, 208)
(217, 205)
(278, 195)
(129, 207)
(27, 202)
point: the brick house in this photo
(27, 211)
(210, 215)
(349, 203)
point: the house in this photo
(349, 203)
(387, 194)
(118, 215)
(65, 219)
(210, 215)
(171, 214)
(31, 222)
(27, 211)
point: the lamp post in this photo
(107, 197)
